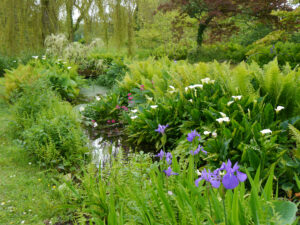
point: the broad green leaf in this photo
(286, 210)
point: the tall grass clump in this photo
(137, 191)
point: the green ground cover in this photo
(27, 193)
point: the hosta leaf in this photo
(286, 210)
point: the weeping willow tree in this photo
(25, 24)
(49, 13)
(104, 19)
(20, 26)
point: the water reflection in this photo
(103, 150)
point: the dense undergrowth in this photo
(188, 97)
(247, 114)
(42, 123)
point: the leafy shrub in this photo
(49, 128)
(178, 51)
(285, 52)
(248, 35)
(106, 109)
(6, 63)
(295, 38)
(56, 138)
(15, 80)
(60, 78)
(55, 44)
(30, 103)
(114, 73)
(169, 88)
(219, 52)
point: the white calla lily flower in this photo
(194, 86)
(223, 114)
(223, 119)
(229, 103)
(226, 119)
(220, 120)
(279, 108)
(206, 80)
(238, 97)
(206, 132)
(266, 131)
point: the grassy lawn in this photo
(27, 194)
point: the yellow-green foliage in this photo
(268, 39)
(280, 86)
(18, 78)
(295, 134)
(145, 70)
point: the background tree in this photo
(49, 11)
(206, 11)
(82, 7)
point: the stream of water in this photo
(103, 150)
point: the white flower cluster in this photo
(214, 133)
(224, 118)
(193, 86)
(207, 80)
(173, 89)
(134, 111)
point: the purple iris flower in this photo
(169, 172)
(192, 135)
(160, 154)
(233, 176)
(169, 158)
(212, 177)
(198, 150)
(161, 128)
(273, 48)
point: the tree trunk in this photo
(70, 28)
(130, 33)
(46, 24)
(201, 29)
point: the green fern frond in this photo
(295, 133)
